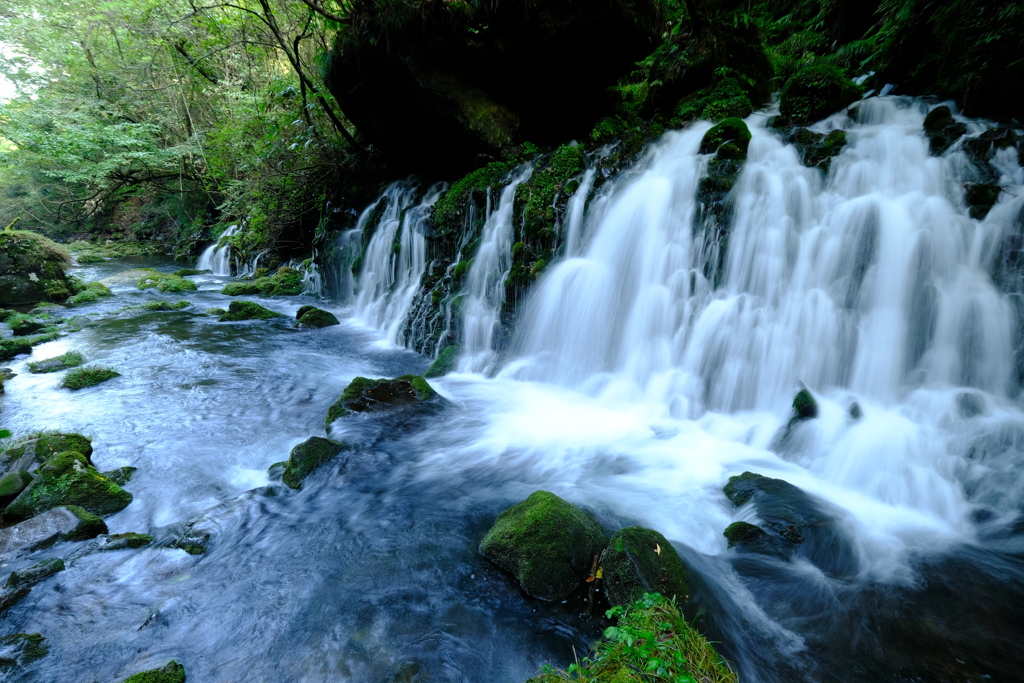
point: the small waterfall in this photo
(395, 257)
(217, 257)
(485, 282)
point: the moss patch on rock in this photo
(285, 282)
(172, 672)
(65, 361)
(364, 395)
(30, 576)
(21, 649)
(942, 129)
(640, 560)
(732, 130)
(307, 457)
(89, 293)
(247, 310)
(126, 541)
(164, 282)
(12, 484)
(444, 363)
(67, 478)
(816, 91)
(88, 376)
(32, 269)
(316, 318)
(546, 543)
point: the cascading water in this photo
(485, 283)
(395, 257)
(216, 258)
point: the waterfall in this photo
(395, 257)
(485, 282)
(217, 257)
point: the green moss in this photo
(186, 272)
(804, 406)
(247, 310)
(317, 318)
(303, 310)
(744, 534)
(23, 325)
(726, 98)
(71, 359)
(90, 293)
(13, 483)
(307, 457)
(9, 348)
(163, 305)
(735, 489)
(130, 540)
(731, 130)
(547, 181)
(172, 672)
(547, 543)
(241, 288)
(461, 268)
(444, 363)
(89, 525)
(89, 376)
(449, 213)
(638, 561)
(215, 310)
(164, 282)
(36, 573)
(121, 476)
(285, 282)
(652, 641)
(21, 649)
(363, 395)
(67, 478)
(816, 91)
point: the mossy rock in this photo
(640, 560)
(285, 282)
(88, 376)
(215, 310)
(188, 272)
(89, 525)
(10, 348)
(444, 363)
(30, 576)
(32, 269)
(546, 543)
(172, 672)
(308, 456)
(731, 130)
(91, 292)
(364, 395)
(12, 484)
(804, 406)
(65, 361)
(816, 149)
(304, 309)
(23, 325)
(21, 649)
(816, 91)
(317, 318)
(981, 197)
(247, 310)
(240, 288)
(163, 305)
(67, 478)
(44, 446)
(750, 538)
(127, 541)
(166, 283)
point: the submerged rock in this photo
(981, 197)
(548, 544)
(247, 310)
(798, 523)
(747, 537)
(21, 649)
(36, 573)
(127, 541)
(172, 672)
(306, 457)
(942, 129)
(364, 395)
(639, 560)
(67, 478)
(59, 524)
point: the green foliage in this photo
(444, 363)
(652, 642)
(172, 672)
(450, 212)
(71, 359)
(164, 282)
(285, 282)
(92, 292)
(89, 376)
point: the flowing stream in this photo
(632, 385)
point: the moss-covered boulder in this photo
(88, 376)
(127, 541)
(21, 649)
(805, 407)
(364, 395)
(172, 672)
(240, 288)
(89, 293)
(32, 269)
(188, 272)
(11, 348)
(162, 306)
(549, 545)
(12, 484)
(285, 282)
(31, 453)
(67, 478)
(818, 150)
(444, 363)
(65, 361)
(640, 560)
(30, 576)
(165, 282)
(59, 524)
(732, 130)
(942, 129)
(314, 318)
(308, 456)
(798, 523)
(247, 310)
(750, 538)
(816, 91)
(24, 325)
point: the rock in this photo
(30, 454)
(216, 310)
(855, 412)
(23, 326)
(172, 672)
(163, 305)
(732, 130)
(364, 395)
(20, 649)
(804, 406)
(444, 363)
(192, 543)
(747, 537)
(164, 282)
(798, 523)
(816, 149)
(127, 541)
(247, 310)
(308, 456)
(981, 197)
(317, 318)
(285, 282)
(88, 376)
(639, 560)
(942, 129)
(186, 272)
(36, 573)
(816, 91)
(59, 524)
(120, 476)
(9, 348)
(67, 478)
(92, 291)
(9, 599)
(32, 269)
(11, 484)
(71, 359)
(240, 288)
(546, 543)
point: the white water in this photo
(215, 258)
(389, 280)
(485, 282)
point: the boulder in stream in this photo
(549, 545)
(68, 523)
(67, 478)
(308, 456)
(942, 129)
(172, 672)
(640, 560)
(247, 310)
(364, 395)
(313, 317)
(32, 269)
(20, 649)
(30, 576)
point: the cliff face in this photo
(448, 85)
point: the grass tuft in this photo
(89, 376)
